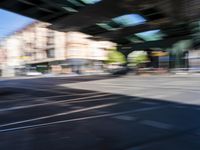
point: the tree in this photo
(138, 57)
(115, 57)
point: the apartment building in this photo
(46, 50)
(2, 60)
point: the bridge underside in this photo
(167, 21)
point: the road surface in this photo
(100, 113)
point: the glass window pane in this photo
(105, 26)
(90, 1)
(152, 35)
(129, 20)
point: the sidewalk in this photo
(52, 76)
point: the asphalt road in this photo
(100, 113)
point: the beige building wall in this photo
(2, 58)
(98, 50)
(36, 44)
(79, 46)
(76, 45)
(12, 47)
(13, 51)
(37, 33)
(60, 45)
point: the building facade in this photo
(2, 60)
(37, 46)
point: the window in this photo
(90, 1)
(129, 20)
(50, 53)
(152, 35)
(123, 21)
(105, 26)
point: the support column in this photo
(126, 58)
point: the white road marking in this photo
(48, 97)
(51, 103)
(157, 124)
(48, 90)
(81, 119)
(125, 117)
(59, 114)
(38, 89)
(94, 100)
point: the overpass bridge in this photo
(132, 24)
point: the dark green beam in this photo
(96, 13)
(125, 32)
(166, 43)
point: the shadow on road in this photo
(37, 114)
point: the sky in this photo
(11, 22)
